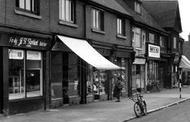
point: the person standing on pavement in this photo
(117, 89)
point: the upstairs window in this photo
(97, 19)
(151, 38)
(163, 41)
(66, 10)
(120, 26)
(137, 37)
(174, 43)
(138, 7)
(31, 6)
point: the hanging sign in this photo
(27, 42)
(153, 51)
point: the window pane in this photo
(28, 5)
(174, 42)
(137, 37)
(67, 10)
(97, 19)
(32, 5)
(117, 25)
(21, 4)
(151, 37)
(33, 74)
(94, 18)
(16, 74)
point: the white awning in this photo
(85, 51)
(184, 63)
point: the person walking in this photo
(117, 89)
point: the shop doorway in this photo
(1, 80)
(65, 82)
(59, 78)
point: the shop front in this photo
(153, 61)
(78, 72)
(138, 74)
(174, 73)
(24, 72)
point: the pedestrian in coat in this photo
(117, 89)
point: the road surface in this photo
(176, 113)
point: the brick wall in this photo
(27, 22)
(56, 27)
(110, 27)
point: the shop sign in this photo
(27, 42)
(33, 55)
(16, 54)
(153, 51)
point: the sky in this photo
(184, 6)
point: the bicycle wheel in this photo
(144, 107)
(137, 109)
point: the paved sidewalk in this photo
(106, 111)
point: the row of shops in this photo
(156, 71)
(40, 74)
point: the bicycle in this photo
(140, 106)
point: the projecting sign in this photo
(153, 51)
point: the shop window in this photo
(67, 10)
(25, 74)
(31, 6)
(97, 19)
(138, 69)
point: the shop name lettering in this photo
(28, 42)
(154, 50)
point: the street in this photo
(176, 113)
(111, 111)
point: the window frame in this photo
(67, 11)
(34, 6)
(137, 7)
(162, 41)
(27, 94)
(151, 37)
(137, 36)
(121, 26)
(97, 19)
(174, 42)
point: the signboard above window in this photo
(153, 51)
(27, 42)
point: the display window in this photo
(25, 74)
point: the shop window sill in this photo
(98, 31)
(121, 36)
(23, 13)
(61, 22)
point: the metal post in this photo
(180, 83)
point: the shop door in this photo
(65, 81)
